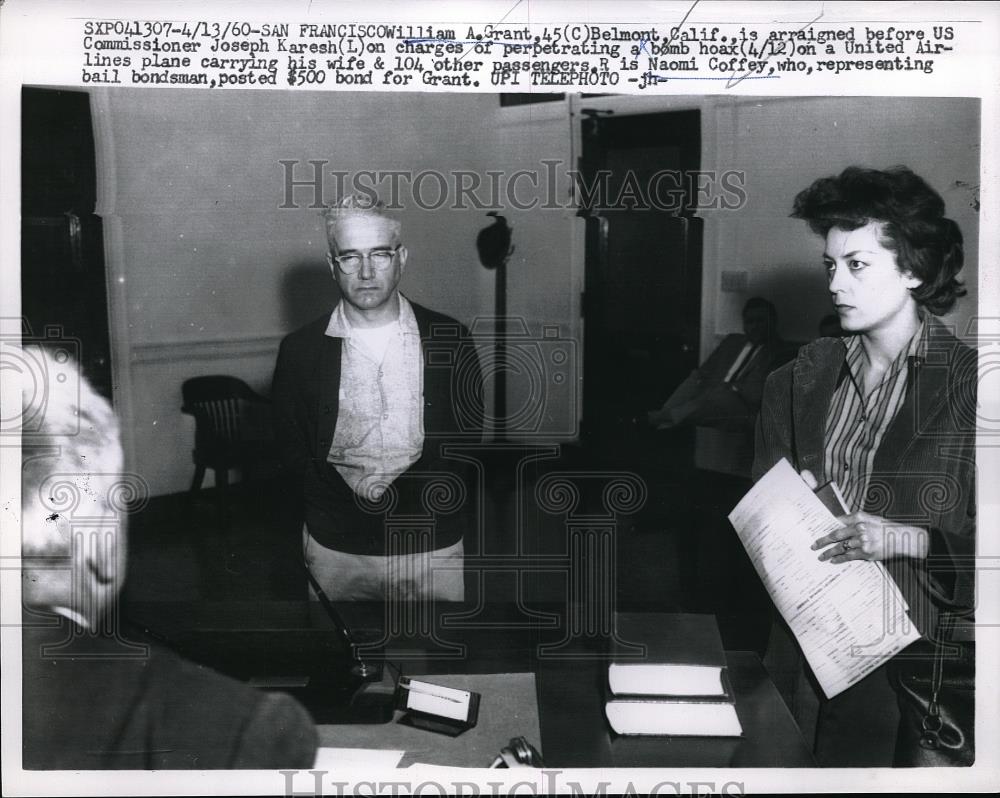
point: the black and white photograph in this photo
(523, 398)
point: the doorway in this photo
(642, 301)
(64, 297)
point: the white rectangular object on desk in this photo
(436, 699)
(657, 679)
(674, 718)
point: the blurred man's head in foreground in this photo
(73, 542)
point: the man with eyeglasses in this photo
(364, 398)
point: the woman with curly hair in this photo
(888, 412)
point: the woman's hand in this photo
(864, 536)
(809, 479)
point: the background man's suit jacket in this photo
(724, 418)
(704, 399)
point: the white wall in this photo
(206, 272)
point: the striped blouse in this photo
(855, 424)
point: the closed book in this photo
(671, 717)
(667, 654)
(667, 751)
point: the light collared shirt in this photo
(746, 355)
(380, 422)
(856, 424)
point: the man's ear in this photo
(330, 262)
(402, 257)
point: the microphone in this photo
(366, 671)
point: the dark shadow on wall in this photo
(802, 300)
(307, 292)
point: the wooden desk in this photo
(569, 690)
(574, 732)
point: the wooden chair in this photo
(232, 429)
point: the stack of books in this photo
(676, 684)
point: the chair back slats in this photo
(224, 415)
(222, 418)
(221, 405)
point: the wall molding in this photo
(213, 349)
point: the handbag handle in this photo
(931, 722)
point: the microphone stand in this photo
(371, 700)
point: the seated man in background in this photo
(725, 391)
(92, 700)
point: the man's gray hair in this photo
(353, 206)
(74, 429)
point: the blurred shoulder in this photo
(225, 719)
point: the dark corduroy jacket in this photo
(434, 494)
(924, 470)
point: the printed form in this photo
(849, 618)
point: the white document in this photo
(339, 758)
(848, 618)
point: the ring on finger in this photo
(847, 544)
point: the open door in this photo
(642, 305)
(63, 285)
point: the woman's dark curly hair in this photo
(911, 215)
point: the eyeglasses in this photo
(380, 259)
